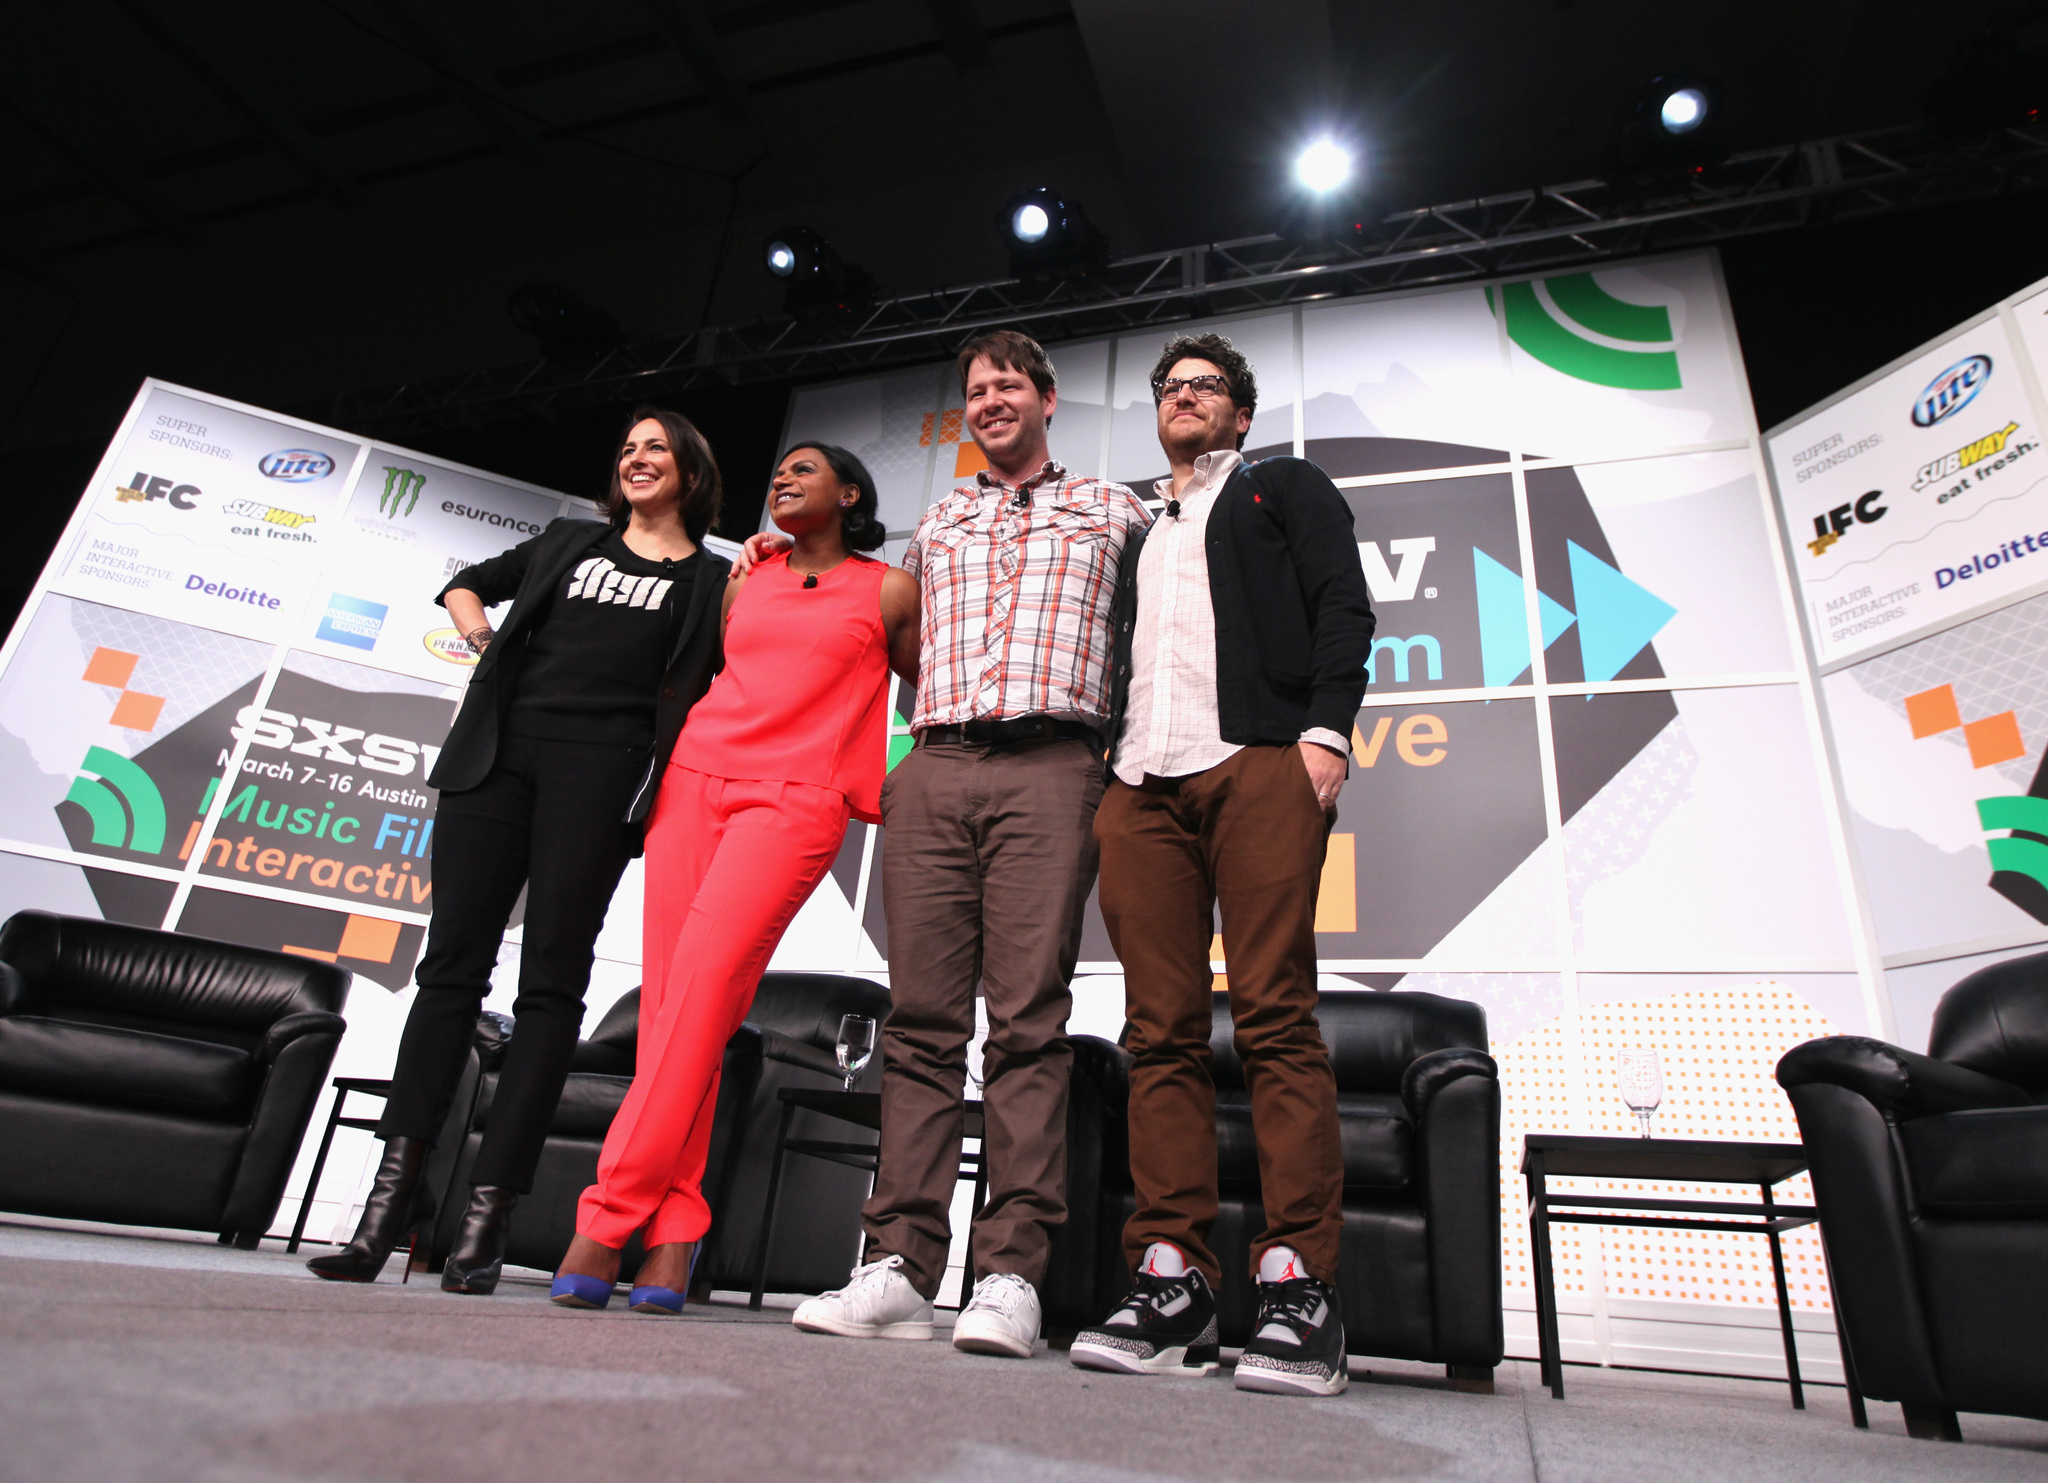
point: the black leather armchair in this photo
(1418, 1107)
(1931, 1175)
(787, 1040)
(150, 1078)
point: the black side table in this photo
(863, 1109)
(1677, 1160)
(343, 1085)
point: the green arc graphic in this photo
(106, 780)
(1591, 307)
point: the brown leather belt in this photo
(1011, 732)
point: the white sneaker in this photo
(877, 1302)
(1001, 1318)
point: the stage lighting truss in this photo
(1675, 125)
(1548, 229)
(1049, 237)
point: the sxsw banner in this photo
(220, 705)
(1916, 515)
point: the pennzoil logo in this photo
(446, 643)
(1949, 465)
(249, 509)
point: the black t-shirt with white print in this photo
(594, 661)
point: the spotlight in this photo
(1675, 123)
(1049, 236)
(820, 282)
(569, 330)
(1323, 167)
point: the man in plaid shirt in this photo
(987, 862)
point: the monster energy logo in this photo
(401, 488)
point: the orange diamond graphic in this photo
(110, 667)
(1933, 711)
(135, 711)
(1994, 739)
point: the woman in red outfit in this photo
(784, 749)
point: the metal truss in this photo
(1546, 229)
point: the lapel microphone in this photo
(1173, 508)
(810, 581)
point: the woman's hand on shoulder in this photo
(900, 597)
(756, 549)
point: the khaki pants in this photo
(1246, 835)
(987, 861)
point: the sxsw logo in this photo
(401, 494)
(353, 621)
(122, 802)
(145, 487)
(1397, 584)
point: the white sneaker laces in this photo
(1003, 1291)
(870, 1275)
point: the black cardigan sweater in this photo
(528, 574)
(1294, 620)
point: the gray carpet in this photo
(153, 1358)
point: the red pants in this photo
(728, 865)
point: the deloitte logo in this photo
(1573, 325)
(401, 494)
(122, 802)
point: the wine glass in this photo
(856, 1045)
(1642, 1083)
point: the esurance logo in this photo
(1951, 391)
(295, 465)
(352, 621)
(401, 494)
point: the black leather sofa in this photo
(150, 1078)
(1418, 1105)
(788, 1039)
(1931, 1176)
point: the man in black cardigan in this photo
(1242, 630)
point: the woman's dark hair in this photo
(860, 524)
(702, 487)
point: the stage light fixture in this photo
(1322, 167)
(569, 330)
(1676, 123)
(1049, 236)
(819, 281)
(1683, 110)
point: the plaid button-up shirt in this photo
(1016, 603)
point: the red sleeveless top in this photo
(804, 694)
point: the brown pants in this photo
(1246, 835)
(987, 860)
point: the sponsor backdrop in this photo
(1589, 788)
(1915, 509)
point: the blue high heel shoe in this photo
(662, 1299)
(573, 1290)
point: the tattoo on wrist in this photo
(479, 638)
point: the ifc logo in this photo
(295, 465)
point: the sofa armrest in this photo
(292, 1083)
(1895, 1081)
(1108, 1066)
(1429, 1074)
(284, 1031)
(13, 991)
(777, 1046)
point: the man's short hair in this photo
(1220, 353)
(1009, 350)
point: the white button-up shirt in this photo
(1172, 726)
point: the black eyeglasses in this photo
(1203, 387)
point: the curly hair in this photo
(1220, 353)
(859, 523)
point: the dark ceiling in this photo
(280, 202)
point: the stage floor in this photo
(156, 1357)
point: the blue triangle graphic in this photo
(1503, 621)
(1555, 616)
(1616, 617)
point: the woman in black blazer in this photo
(547, 774)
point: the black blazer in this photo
(1293, 617)
(527, 574)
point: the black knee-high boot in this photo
(398, 1206)
(479, 1254)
